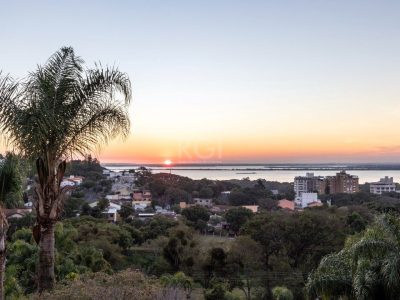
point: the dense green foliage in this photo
(237, 217)
(196, 216)
(282, 293)
(271, 257)
(10, 181)
(368, 267)
(83, 245)
(126, 284)
(94, 186)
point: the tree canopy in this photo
(368, 267)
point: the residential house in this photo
(183, 205)
(145, 216)
(315, 204)
(305, 199)
(71, 181)
(111, 212)
(253, 208)
(67, 182)
(140, 206)
(111, 174)
(275, 192)
(286, 204)
(77, 179)
(16, 213)
(119, 197)
(203, 202)
(220, 208)
(141, 197)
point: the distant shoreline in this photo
(260, 167)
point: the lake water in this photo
(284, 173)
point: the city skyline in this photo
(232, 82)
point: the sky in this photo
(231, 81)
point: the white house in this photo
(144, 216)
(28, 204)
(112, 197)
(67, 182)
(384, 185)
(203, 202)
(305, 198)
(111, 211)
(16, 213)
(71, 181)
(140, 206)
(114, 174)
(275, 192)
(77, 179)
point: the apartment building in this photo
(308, 184)
(341, 183)
(384, 185)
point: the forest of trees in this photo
(271, 254)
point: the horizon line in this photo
(248, 164)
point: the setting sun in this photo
(167, 162)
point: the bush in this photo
(194, 214)
(87, 184)
(282, 293)
(127, 284)
(218, 291)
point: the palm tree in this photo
(61, 110)
(367, 268)
(10, 190)
(332, 279)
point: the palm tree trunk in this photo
(2, 270)
(46, 278)
(3, 232)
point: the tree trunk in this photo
(248, 289)
(46, 278)
(2, 269)
(3, 240)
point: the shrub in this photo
(126, 284)
(282, 293)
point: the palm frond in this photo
(61, 110)
(9, 94)
(390, 272)
(366, 279)
(332, 278)
(10, 181)
(373, 246)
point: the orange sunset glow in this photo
(283, 85)
(249, 149)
